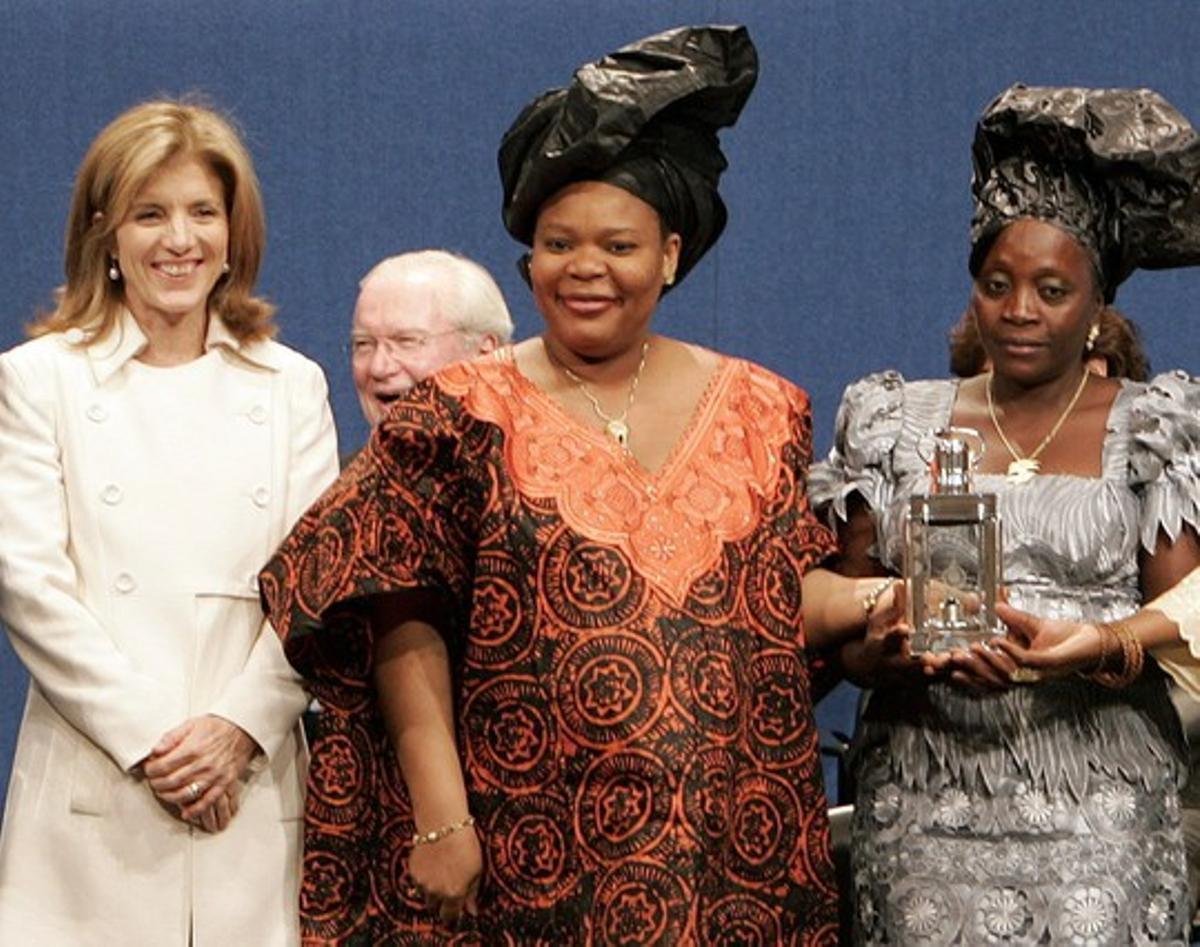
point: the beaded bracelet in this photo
(872, 598)
(428, 838)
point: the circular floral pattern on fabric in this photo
(925, 912)
(323, 565)
(713, 595)
(608, 681)
(500, 630)
(779, 709)
(1089, 914)
(740, 920)
(705, 681)
(772, 587)
(410, 456)
(1112, 809)
(766, 828)
(510, 734)
(1010, 914)
(610, 687)
(1033, 810)
(641, 905)
(342, 765)
(587, 585)
(951, 810)
(531, 851)
(1165, 903)
(331, 884)
(707, 791)
(624, 804)
(813, 869)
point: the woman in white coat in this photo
(155, 445)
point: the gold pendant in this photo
(618, 430)
(1022, 470)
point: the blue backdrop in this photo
(374, 126)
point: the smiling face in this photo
(173, 242)
(400, 336)
(598, 266)
(1034, 300)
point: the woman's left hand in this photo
(194, 765)
(1048, 647)
(446, 873)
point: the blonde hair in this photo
(122, 158)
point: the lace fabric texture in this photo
(1046, 814)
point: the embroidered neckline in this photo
(672, 522)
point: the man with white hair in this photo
(417, 312)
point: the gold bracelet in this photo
(1108, 635)
(1133, 657)
(428, 838)
(872, 599)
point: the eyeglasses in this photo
(364, 347)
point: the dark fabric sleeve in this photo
(812, 538)
(401, 518)
(814, 541)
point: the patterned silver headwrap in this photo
(1116, 168)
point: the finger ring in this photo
(1025, 675)
(195, 791)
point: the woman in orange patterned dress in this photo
(553, 610)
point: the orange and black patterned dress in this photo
(633, 698)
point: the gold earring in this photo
(1092, 336)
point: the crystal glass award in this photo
(952, 549)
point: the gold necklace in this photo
(615, 427)
(1024, 466)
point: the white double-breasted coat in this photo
(136, 507)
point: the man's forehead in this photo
(394, 307)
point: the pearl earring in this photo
(114, 273)
(1092, 336)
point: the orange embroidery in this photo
(672, 523)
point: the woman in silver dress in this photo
(1047, 811)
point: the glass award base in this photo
(938, 637)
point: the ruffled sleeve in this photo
(1181, 605)
(403, 517)
(1164, 458)
(868, 426)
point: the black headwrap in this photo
(1116, 168)
(644, 118)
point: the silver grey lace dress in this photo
(1049, 813)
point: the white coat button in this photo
(73, 335)
(111, 494)
(97, 413)
(258, 414)
(261, 496)
(125, 583)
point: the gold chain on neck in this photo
(1025, 466)
(615, 427)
